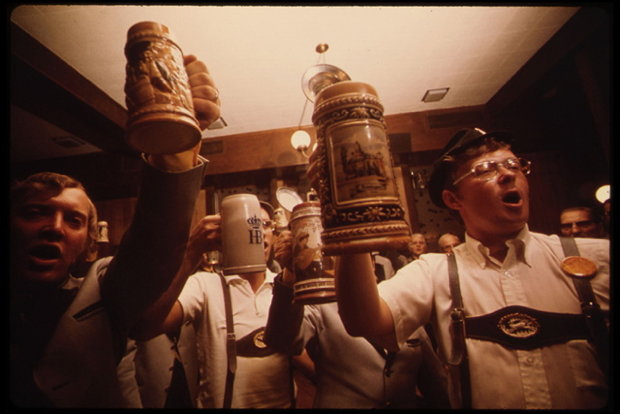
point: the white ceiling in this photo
(258, 54)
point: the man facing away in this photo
(351, 372)
(509, 313)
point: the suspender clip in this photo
(457, 315)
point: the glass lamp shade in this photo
(300, 139)
(603, 193)
(319, 77)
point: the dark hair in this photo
(454, 161)
(51, 184)
(594, 213)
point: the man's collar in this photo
(480, 253)
(269, 277)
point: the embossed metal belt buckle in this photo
(518, 325)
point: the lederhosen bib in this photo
(520, 327)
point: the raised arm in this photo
(166, 314)
(285, 317)
(153, 248)
(361, 309)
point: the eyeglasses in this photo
(487, 170)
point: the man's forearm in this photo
(359, 304)
(153, 248)
(285, 318)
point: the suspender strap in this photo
(594, 315)
(459, 350)
(584, 289)
(230, 345)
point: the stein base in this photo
(335, 248)
(309, 298)
(243, 269)
(163, 136)
(313, 291)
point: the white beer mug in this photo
(243, 247)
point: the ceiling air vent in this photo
(434, 95)
(218, 124)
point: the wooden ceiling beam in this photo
(44, 85)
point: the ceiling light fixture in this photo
(300, 139)
(434, 95)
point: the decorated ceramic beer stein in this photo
(157, 92)
(352, 169)
(314, 272)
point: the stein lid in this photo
(345, 88)
(149, 26)
(288, 198)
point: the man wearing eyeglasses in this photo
(505, 306)
(580, 221)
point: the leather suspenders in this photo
(230, 345)
(591, 320)
(231, 349)
(459, 350)
(590, 308)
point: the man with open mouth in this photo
(522, 317)
(68, 334)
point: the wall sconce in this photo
(300, 140)
(603, 193)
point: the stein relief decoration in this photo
(352, 169)
(157, 92)
(314, 272)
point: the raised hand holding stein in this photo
(352, 167)
(157, 92)
(314, 272)
(243, 249)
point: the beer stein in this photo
(279, 217)
(314, 273)
(243, 248)
(352, 169)
(102, 232)
(157, 92)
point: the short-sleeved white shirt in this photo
(562, 376)
(260, 382)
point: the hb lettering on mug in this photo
(243, 249)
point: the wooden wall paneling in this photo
(118, 213)
(429, 217)
(211, 203)
(400, 178)
(254, 151)
(431, 130)
(274, 184)
(201, 207)
(550, 191)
